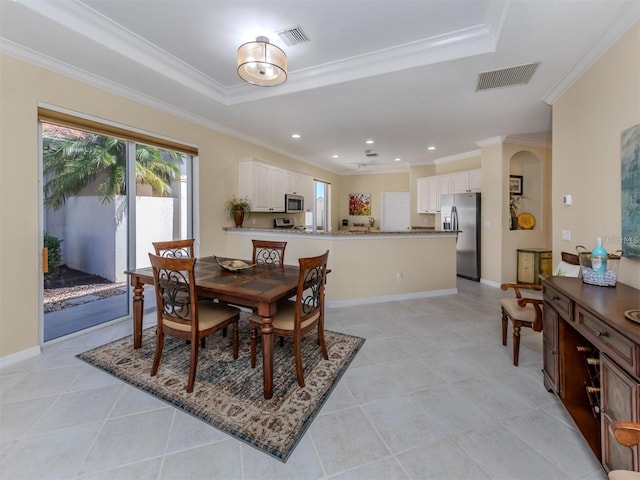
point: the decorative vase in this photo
(238, 217)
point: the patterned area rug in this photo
(228, 394)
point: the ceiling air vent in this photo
(370, 153)
(293, 36)
(506, 77)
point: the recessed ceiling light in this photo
(295, 135)
(369, 142)
(397, 159)
(431, 148)
(335, 156)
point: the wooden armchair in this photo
(525, 311)
(627, 434)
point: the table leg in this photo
(138, 308)
(267, 356)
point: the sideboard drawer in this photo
(608, 340)
(560, 303)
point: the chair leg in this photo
(234, 340)
(224, 332)
(193, 363)
(321, 342)
(202, 342)
(516, 343)
(297, 353)
(281, 341)
(254, 341)
(159, 346)
(505, 322)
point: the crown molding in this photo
(628, 16)
(527, 141)
(459, 156)
(491, 141)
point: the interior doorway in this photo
(395, 212)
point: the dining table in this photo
(258, 287)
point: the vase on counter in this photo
(238, 217)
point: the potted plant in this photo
(236, 208)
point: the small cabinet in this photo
(550, 363)
(300, 184)
(467, 181)
(429, 190)
(263, 184)
(532, 262)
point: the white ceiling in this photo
(402, 72)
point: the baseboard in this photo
(17, 357)
(390, 298)
(490, 283)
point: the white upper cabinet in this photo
(263, 184)
(467, 181)
(429, 189)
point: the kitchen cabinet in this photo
(466, 181)
(300, 184)
(591, 360)
(263, 184)
(428, 192)
(532, 262)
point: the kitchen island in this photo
(367, 267)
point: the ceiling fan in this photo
(367, 165)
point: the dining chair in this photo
(268, 253)
(302, 316)
(627, 434)
(175, 248)
(526, 311)
(181, 315)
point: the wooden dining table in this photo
(258, 287)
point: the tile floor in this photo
(432, 395)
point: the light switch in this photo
(567, 200)
(487, 224)
(566, 234)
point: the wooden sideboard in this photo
(591, 360)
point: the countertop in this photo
(341, 233)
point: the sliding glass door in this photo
(94, 229)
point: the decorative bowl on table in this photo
(232, 265)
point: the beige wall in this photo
(493, 177)
(375, 184)
(22, 87)
(587, 122)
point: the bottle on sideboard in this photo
(599, 257)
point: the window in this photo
(318, 219)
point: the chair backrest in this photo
(268, 253)
(175, 248)
(310, 292)
(174, 282)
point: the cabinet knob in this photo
(602, 334)
(553, 352)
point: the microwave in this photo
(293, 203)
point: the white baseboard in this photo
(390, 298)
(490, 283)
(17, 357)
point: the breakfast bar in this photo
(367, 267)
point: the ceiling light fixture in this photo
(295, 135)
(369, 142)
(431, 148)
(262, 63)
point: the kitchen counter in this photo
(366, 267)
(339, 233)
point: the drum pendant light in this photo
(262, 63)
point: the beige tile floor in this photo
(432, 395)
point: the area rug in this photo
(228, 394)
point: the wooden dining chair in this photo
(627, 434)
(175, 248)
(302, 316)
(525, 311)
(268, 253)
(181, 315)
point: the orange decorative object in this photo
(526, 221)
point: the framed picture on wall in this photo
(515, 184)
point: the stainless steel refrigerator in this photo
(461, 211)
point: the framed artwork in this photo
(360, 204)
(515, 184)
(630, 188)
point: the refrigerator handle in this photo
(454, 218)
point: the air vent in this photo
(370, 153)
(506, 77)
(293, 36)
